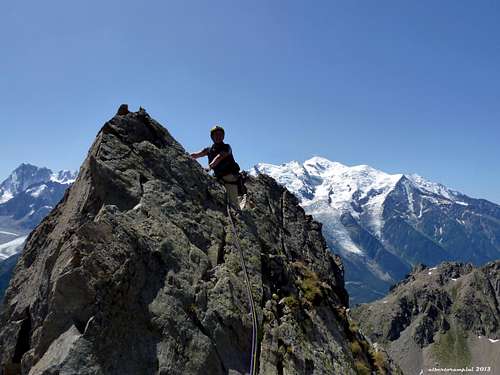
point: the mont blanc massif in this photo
(382, 225)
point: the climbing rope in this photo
(253, 360)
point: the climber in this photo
(221, 161)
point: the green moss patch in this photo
(309, 284)
(292, 302)
(361, 368)
(451, 348)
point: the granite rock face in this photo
(136, 271)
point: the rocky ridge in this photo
(136, 271)
(444, 316)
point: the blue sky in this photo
(404, 86)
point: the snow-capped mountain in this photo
(64, 177)
(27, 175)
(382, 224)
(27, 195)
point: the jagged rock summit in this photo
(136, 271)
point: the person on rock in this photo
(221, 161)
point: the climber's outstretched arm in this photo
(199, 154)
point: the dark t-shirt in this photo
(228, 165)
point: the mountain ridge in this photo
(28, 194)
(443, 316)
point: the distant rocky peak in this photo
(22, 177)
(28, 175)
(443, 316)
(64, 176)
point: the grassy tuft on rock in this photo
(451, 348)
